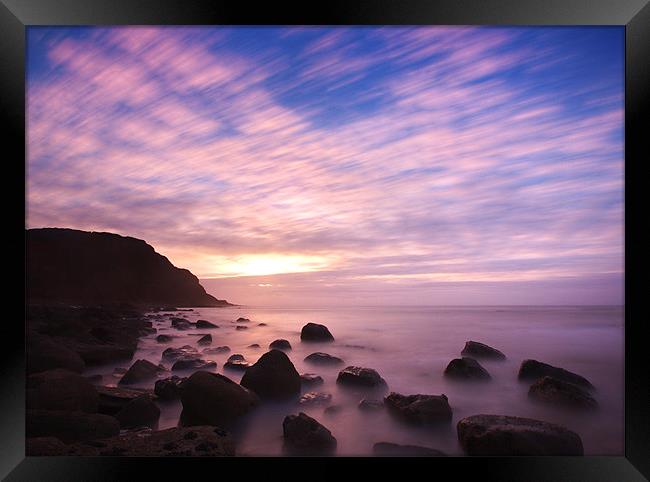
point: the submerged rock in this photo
(262, 324)
(323, 359)
(315, 398)
(70, 426)
(205, 324)
(420, 409)
(553, 391)
(504, 435)
(280, 344)
(315, 332)
(139, 412)
(242, 320)
(534, 370)
(310, 379)
(273, 376)
(164, 338)
(240, 328)
(304, 435)
(368, 405)
(205, 340)
(254, 345)
(237, 362)
(213, 399)
(140, 371)
(480, 350)
(394, 450)
(216, 350)
(466, 369)
(358, 376)
(333, 409)
(169, 388)
(61, 389)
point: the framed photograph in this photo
(384, 233)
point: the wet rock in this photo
(273, 376)
(240, 328)
(534, 370)
(140, 371)
(164, 338)
(280, 345)
(315, 398)
(205, 324)
(205, 340)
(242, 320)
(315, 332)
(419, 409)
(61, 389)
(361, 377)
(466, 369)
(480, 350)
(173, 354)
(216, 350)
(70, 426)
(557, 392)
(394, 450)
(213, 399)
(368, 405)
(169, 388)
(44, 354)
(310, 380)
(304, 435)
(323, 359)
(139, 412)
(504, 435)
(236, 362)
(44, 446)
(114, 399)
(193, 363)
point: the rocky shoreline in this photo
(69, 414)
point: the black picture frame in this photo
(16, 15)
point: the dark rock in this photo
(310, 379)
(280, 345)
(262, 324)
(140, 371)
(44, 354)
(212, 399)
(370, 405)
(273, 376)
(315, 398)
(181, 324)
(169, 388)
(139, 412)
(205, 324)
(533, 370)
(242, 320)
(164, 338)
(480, 350)
(394, 450)
(93, 354)
(305, 436)
(236, 362)
(358, 376)
(254, 345)
(240, 328)
(95, 379)
(466, 369)
(61, 390)
(193, 363)
(315, 332)
(503, 435)
(173, 354)
(323, 359)
(419, 409)
(205, 340)
(216, 350)
(114, 399)
(554, 391)
(333, 409)
(44, 446)
(70, 426)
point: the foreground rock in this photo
(169, 388)
(236, 362)
(201, 324)
(466, 369)
(280, 345)
(140, 371)
(139, 412)
(44, 354)
(199, 441)
(70, 426)
(61, 389)
(360, 377)
(503, 435)
(315, 332)
(419, 409)
(45, 446)
(310, 379)
(480, 350)
(557, 392)
(320, 358)
(395, 450)
(114, 399)
(212, 399)
(304, 435)
(273, 376)
(534, 370)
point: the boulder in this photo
(315, 332)
(310, 380)
(140, 371)
(216, 350)
(368, 405)
(213, 399)
(315, 398)
(164, 338)
(61, 389)
(193, 363)
(44, 354)
(202, 324)
(475, 349)
(387, 449)
(280, 345)
(236, 362)
(320, 358)
(273, 376)
(534, 370)
(114, 399)
(169, 388)
(419, 409)
(70, 426)
(557, 392)
(361, 377)
(139, 412)
(305, 436)
(205, 340)
(466, 369)
(504, 435)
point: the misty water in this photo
(410, 348)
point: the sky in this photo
(309, 166)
